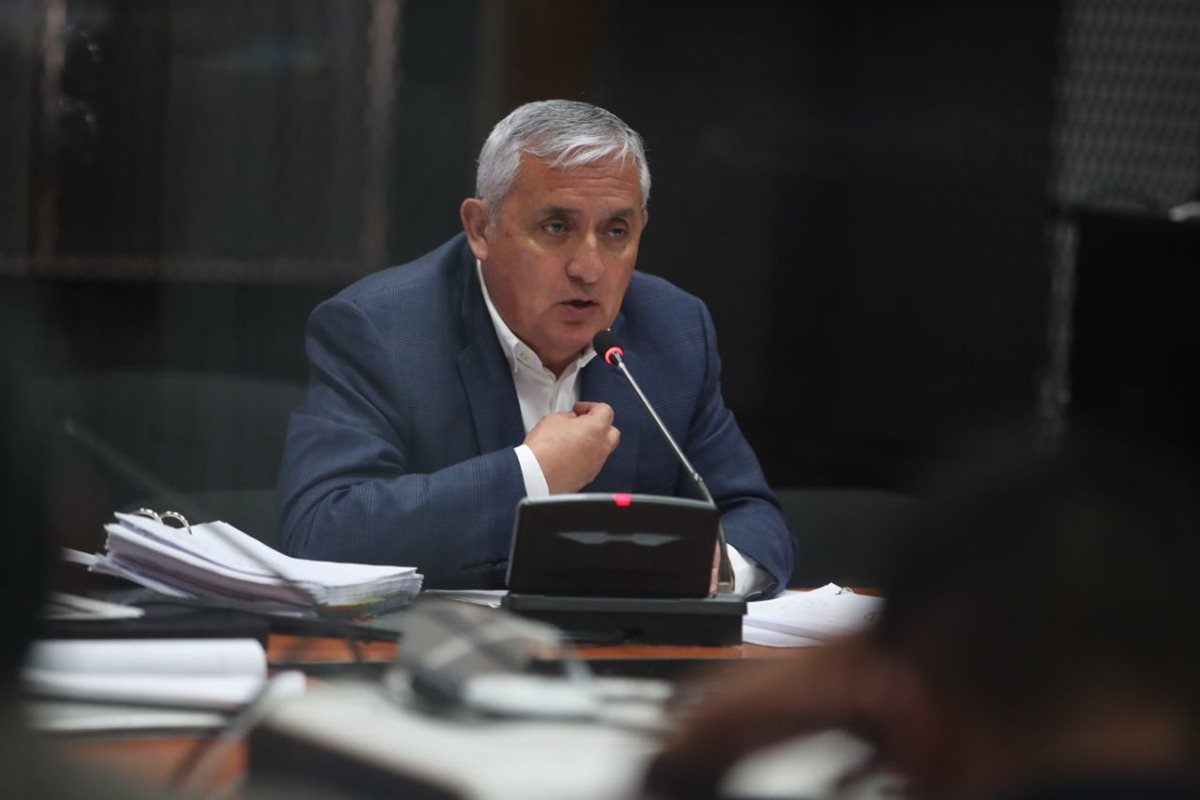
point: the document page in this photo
(185, 673)
(797, 619)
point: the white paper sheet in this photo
(819, 614)
(184, 673)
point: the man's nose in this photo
(586, 264)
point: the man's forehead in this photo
(557, 210)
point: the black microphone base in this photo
(712, 621)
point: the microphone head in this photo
(605, 343)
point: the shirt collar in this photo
(517, 352)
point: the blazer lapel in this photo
(485, 374)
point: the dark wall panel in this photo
(858, 190)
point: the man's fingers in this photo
(572, 446)
(614, 438)
(602, 411)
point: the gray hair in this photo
(566, 133)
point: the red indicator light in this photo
(622, 499)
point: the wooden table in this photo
(301, 650)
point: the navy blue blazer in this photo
(403, 451)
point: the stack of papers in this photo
(490, 598)
(76, 608)
(798, 619)
(112, 684)
(219, 562)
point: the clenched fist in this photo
(572, 446)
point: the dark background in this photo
(894, 210)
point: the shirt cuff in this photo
(531, 473)
(749, 578)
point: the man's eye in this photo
(618, 232)
(554, 228)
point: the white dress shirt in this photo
(540, 392)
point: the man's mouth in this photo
(581, 304)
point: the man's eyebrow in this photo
(562, 211)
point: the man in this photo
(445, 390)
(1037, 642)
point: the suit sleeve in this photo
(717, 449)
(346, 490)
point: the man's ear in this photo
(475, 222)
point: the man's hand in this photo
(572, 446)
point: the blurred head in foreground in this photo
(1040, 619)
(1038, 640)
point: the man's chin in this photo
(578, 338)
(592, 331)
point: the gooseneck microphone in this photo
(606, 345)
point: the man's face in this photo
(561, 252)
